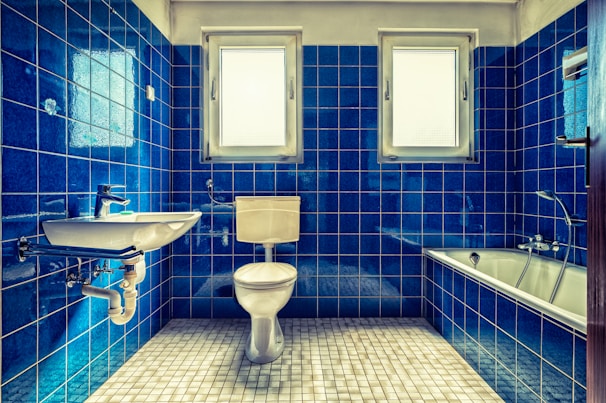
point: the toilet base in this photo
(265, 341)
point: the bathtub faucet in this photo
(539, 244)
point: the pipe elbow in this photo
(121, 317)
(118, 314)
(113, 296)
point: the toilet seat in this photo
(265, 275)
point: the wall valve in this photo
(98, 270)
(73, 279)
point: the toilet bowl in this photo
(262, 289)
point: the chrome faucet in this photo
(539, 244)
(105, 198)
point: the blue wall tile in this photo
(22, 388)
(18, 80)
(18, 35)
(19, 352)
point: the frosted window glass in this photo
(117, 117)
(424, 98)
(252, 94)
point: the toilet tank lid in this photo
(265, 273)
(279, 198)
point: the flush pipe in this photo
(269, 247)
(135, 273)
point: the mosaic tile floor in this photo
(335, 360)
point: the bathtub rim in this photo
(568, 318)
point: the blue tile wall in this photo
(548, 106)
(524, 355)
(363, 225)
(74, 115)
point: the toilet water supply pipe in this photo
(132, 277)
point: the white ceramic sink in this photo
(146, 231)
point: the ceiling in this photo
(499, 22)
(341, 1)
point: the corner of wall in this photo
(533, 15)
(158, 12)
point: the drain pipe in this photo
(135, 271)
(141, 269)
(117, 314)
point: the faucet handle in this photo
(538, 238)
(555, 246)
(107, 188)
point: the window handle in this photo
(291, 90)
(465, 91)
(387, 94)
(213, 90)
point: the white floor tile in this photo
(324, 360)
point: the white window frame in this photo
(462, 43)
(291, 149)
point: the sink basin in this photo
(146, 231)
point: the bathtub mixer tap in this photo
(539, 244)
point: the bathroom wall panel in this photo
(547, 105)
(74, 115)
(355, 212)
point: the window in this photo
(252, 97)
(116, 113)
(426, 108)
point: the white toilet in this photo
(262, 289)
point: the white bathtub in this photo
(501, 269)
